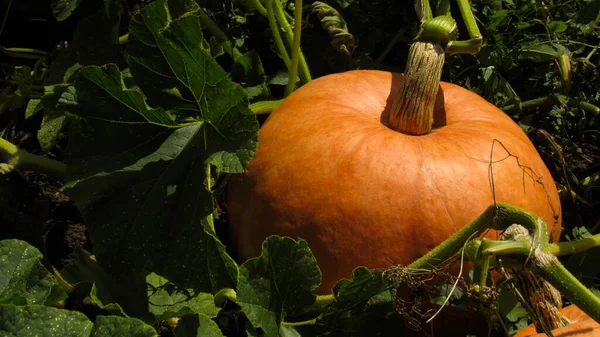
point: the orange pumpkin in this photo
(330, 170)
(581, 325)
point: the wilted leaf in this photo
(277, 283)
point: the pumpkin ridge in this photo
(434, 185)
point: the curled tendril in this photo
(440, 29)
(335, 25)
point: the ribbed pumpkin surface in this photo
(329, 170)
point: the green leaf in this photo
(40, 321)
(51, 130)
(345, 3)
(114, 326)
(557, 26)
(543, 52)
(22, 274)
(95, 42)
(249, 72)
(142, 173)
(497, 87)
(360, 301)
(497, 19)
(277, 283)
(128, 291)
(62, 9)
(197, 325)
(167, 301)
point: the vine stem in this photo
(500, 217)
(295, 47)
(568, 285)
(264, 107)
(282, 20)
(24, 160)
(277, 36)
(303, 71)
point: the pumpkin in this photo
(581, 325)
(329, 169)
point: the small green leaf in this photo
(543, 52)
(62, 9)
(557, 26)
(167, 301)
(22, 274)
(249, 72)
(359, 302)
(278, 283)
(129, 291)
(345, 3)
(497, 18)
(197, 325)
(51, 130)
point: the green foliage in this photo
(278, 283)
(30, 295)
(147, 102)
(23, 278)
(157, 161)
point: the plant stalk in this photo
(24, 160)
(303, 71)
(277, 36)
(295, 48)
(498, 216)
(568, 285)
(264, 107)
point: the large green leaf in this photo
(141, 175)
(22, 275)
(40, 321)
(114, 326)
(278, 283)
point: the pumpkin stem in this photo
(412, 107)
(544, 299)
